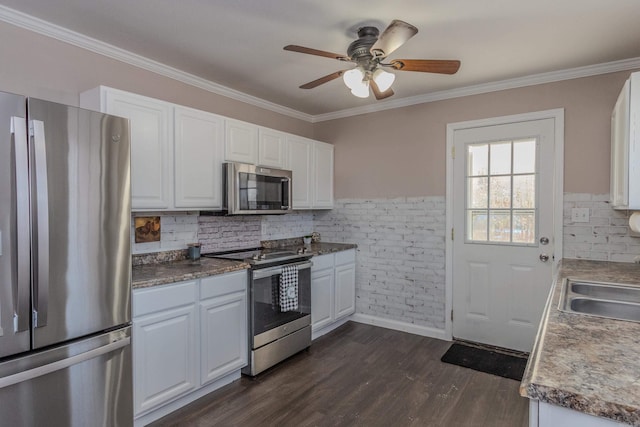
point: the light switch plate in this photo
(580, 215)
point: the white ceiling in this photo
(238, 43)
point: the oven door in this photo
(268, 320)
(257, 190)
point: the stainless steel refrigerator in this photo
(65, 267)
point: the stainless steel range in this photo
(279, 304)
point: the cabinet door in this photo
(345, 293)
(198, 148)
(322, 307)
(151, 147)
(323, 175)
(271, 148)
(241, 142)
(164, 357)
(300, 162)
(223, 335)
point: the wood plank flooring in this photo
(362, 375)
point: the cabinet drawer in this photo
(223, 284)
(346, 257)
(321, 262)
(160, 298)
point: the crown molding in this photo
(48, 29)
(531, 80)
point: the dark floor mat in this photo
(488, 361)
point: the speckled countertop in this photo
(144, 276)
(586, 363)
(147, 275)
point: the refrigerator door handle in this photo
(58, 365)
(41, 232)
(22, 285)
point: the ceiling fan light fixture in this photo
(361, 90)
(383, 79)
(353, 78)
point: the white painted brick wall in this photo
(296, 224)
(606, 237)
(400, 270)
(177, 229)
(219, 233)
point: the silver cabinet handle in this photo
(41, 232)
(22, 285)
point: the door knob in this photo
(544, 240)
(544, 257)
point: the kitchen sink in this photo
(610, 300)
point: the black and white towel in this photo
(289, 288)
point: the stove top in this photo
(261, 256)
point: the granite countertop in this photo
(147, 275)
(144, 276)
(586, 363)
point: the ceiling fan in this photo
(368, 52)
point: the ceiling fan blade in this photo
(376, 91)
(394, 36)
(439, 66)
(322, 80)
(308, 50)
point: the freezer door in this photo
(87, 383)
(15, 311)
(80, 206)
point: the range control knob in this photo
(263, 256)
(255, 257)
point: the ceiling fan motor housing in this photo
(359, 50)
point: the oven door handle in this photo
(273, 271)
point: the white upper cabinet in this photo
(151, 143)
(625, 147)
(241, 142)
(312, 165)
(300, 162)
(198, 159)
(271, 148)
(323, 175)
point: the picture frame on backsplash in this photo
(147, 229)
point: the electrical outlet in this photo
(580, 215)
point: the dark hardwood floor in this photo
(362, 375)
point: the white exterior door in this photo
(503, 229)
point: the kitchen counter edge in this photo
(587, 363)
(145, 276)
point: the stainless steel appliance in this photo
(250, 189)
(275, 334)
(65, 266)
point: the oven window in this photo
(260, 192)
(266, 305)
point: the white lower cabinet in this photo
(223, 325)
(333, 292)
(543, 414)
(187, 338)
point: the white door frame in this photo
(558, 185)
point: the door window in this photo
(501, 187)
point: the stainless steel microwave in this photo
(251, 190)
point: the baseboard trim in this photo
(320, 332)
(424, 331)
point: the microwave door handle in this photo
(286, 193)
(22, 284)
(41, 232)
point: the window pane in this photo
(500, 192)
(477, 225)
(524, 226)
(524, 156)
(478, 159)
(478, 193)
(524, 191)
(500, 158)
(500, 226)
